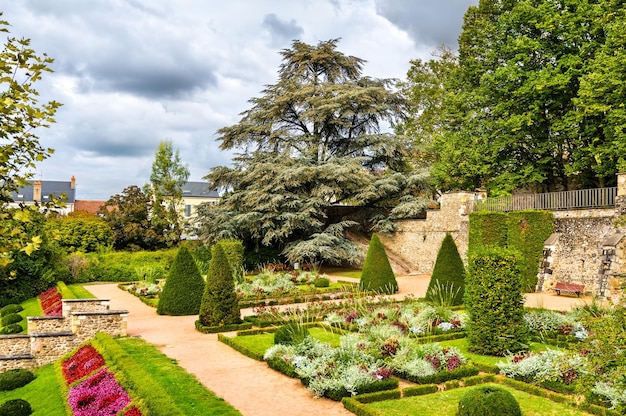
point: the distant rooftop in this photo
(56, 188)
(199, 190)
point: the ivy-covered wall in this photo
(524, 231)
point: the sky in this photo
(132, 73)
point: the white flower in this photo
(445, 326)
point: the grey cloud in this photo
(428, 22)
(282, 30)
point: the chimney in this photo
(73, 182)
(37, 190)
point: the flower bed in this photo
(93, 388)
(51, 302)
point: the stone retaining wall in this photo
(49, 338)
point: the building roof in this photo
(91, 206)
(56, 188)
(198, 190)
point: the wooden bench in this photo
(572, 288)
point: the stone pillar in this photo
(620, 200)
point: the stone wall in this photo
(418, 241)
(49, 338)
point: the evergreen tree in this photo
(220, 305)
(377, 275)
(182, 293)
(447, 281)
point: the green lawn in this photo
(42, 393)
(446, 403)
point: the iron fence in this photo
(551, 201)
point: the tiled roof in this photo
(198, 190)
(91, 207)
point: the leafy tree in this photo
(312, 140)
(182, 293)
(447, 282)
(128, 215)
(166, 186)
(377, 275)
(510, 117)
(21, 115)
(220, 305)
(78, 232)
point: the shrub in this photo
(220, 305)
(182, 293)
(15, 407)
(11, 329)
(494, 303)
(446, 285)
(11, 308)
(377, 275)
(290, 334)
(233, 249)
(488, 401)
(11, 318)
(321, 282)
(16, 378)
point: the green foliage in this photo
(527, 232)
(11, 318)
(182, 293)
(166, 187)
(11, 308)
(448, 275)
(255, 258)
(16, 378)
(377, 275)
(11, 329)
(15, 407)
(488, 401)
(21, 116)
(321, 282)
(314, 140)
(487, 229)
(524, 231)
(129, 216)
(291, 334)
(220, 305)
(79, 233)
(494, 303)
(233, 249)
(420, 390)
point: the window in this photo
(187, 210)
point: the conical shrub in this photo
(182, 293)
(447, 283)
(220, 305)
(377, 275)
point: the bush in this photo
(494, 303)
(290, 334)
(11, 329)
(11, 308)
(220, 305)
(16, 378)
(15, 407)
(377, 275)
(321, 282)
(447, 285)
(11, 318)
(182, 293)
(233, 249)
(488, 401)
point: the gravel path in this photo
(249, 385)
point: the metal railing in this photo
(551, 201)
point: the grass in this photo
(343, 272)
(187, 393)
(80, 292)
(43, 393)
(446, 404)
(261, 342)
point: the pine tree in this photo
(182, 293)
(447, 281)
(377, 275)
(220, 305)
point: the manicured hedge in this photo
(182, 293)
(220, 305)
(441, 376)
(377, 275)
(487, 229)
(448, 275)
(16, 378)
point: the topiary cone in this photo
(220, 305)
(182, 293)
(448, 274)
(377, 275)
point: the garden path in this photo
(248, 385)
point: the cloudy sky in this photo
(131, 73)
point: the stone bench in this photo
(571, 288)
